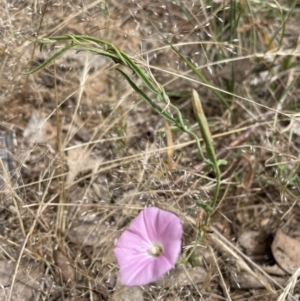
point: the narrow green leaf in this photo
(157, 108)
(53, 57)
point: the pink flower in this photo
(149, 247)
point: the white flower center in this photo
(155, 250)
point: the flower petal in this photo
(138, 271)
(168, 225)
(145, 224)
(170, 238)
(131, 239)
(142, 270)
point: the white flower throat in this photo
(155, 250)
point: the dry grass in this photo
(89, 154)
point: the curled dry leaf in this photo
(296, 126)
(244, 280)
(73, 299)
(25, 285)
(40, 130)
(253, 242)
(261, 295)
(285, 250)
(181, 276)
(275, 270)
(79, 160)
(123, 293)
(67, 271)
(87, 234)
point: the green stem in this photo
(206, 135)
